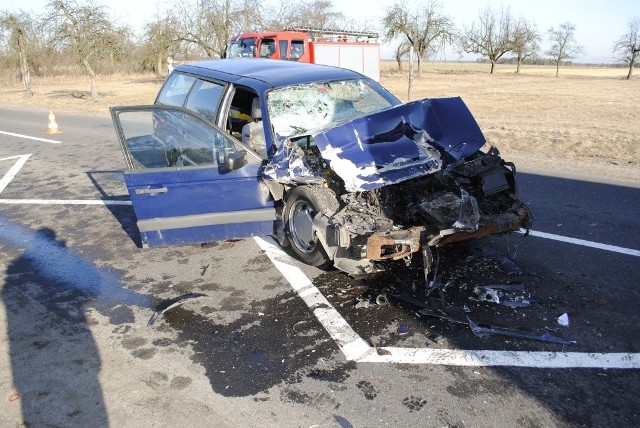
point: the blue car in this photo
(324, 159)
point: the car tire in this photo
(302, 204)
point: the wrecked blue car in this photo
(324, 159)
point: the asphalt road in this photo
(77, 294)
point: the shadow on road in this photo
(109, 184)
(55, 362)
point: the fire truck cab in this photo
(353, 50)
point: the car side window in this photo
(176, 89)
(205, 98)
(163, 137)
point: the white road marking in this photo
(22, 159)
(607, 247)
(13, 170)
(551, 360)
(31, 138)
(357, 349)
(64, 202)
(351, 344)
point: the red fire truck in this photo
(355, 50)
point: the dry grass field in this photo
(587, 112)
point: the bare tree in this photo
(492, 36)
(249, 15)
(280, 15)
(628, 45)
(403, 49)
(85, 29)
(208, 25)
(563, 44)
(317, 14)
(161, 39)
(525, 41)
(17, 26)
(424, 27)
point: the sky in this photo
(598, 22)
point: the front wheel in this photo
(303, 203)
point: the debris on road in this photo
(510, 295)
(482, 330)
(167, 304)
(382, 300)
(563, 320)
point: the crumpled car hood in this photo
(390, 146)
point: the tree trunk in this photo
(94, 88)
(92, 76)
(399, 60)
(159, 64)
(518, 66)
(557, 68)
(493, 65)
(24, 65)
(419, 66)
(634, 58)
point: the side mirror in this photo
(236, 160)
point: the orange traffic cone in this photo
(53, 126)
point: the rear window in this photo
(176, 89)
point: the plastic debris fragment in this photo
(482, 330)
(563, 320)
(361, 303)
(509, 266)
(167, 304)
(504, 295)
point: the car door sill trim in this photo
(209, 219)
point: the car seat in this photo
(253, 132)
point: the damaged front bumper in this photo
(472, 199)
(492, 225)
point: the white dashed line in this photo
(591, 244)
(357, 349)
(31, 138)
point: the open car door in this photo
(189, 182)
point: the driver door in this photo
(190, 182)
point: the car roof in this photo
(274, 73)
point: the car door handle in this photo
(151, 191)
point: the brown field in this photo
(587, 112)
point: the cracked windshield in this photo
(312, 107)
